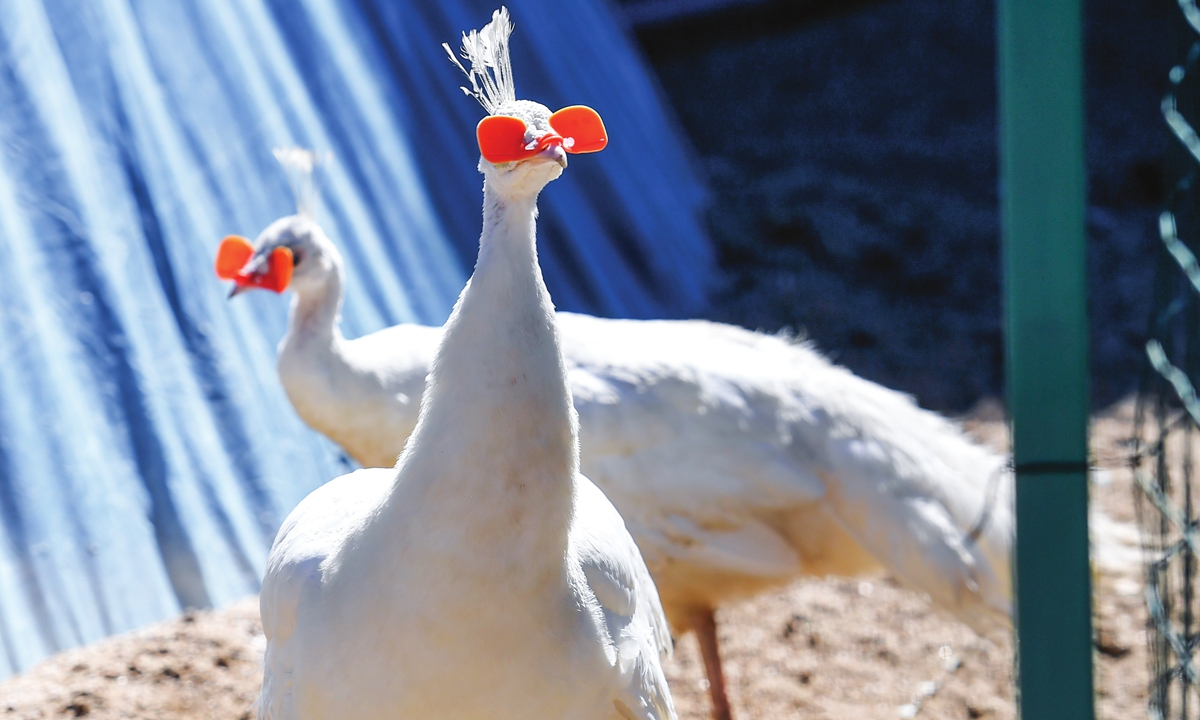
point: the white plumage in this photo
(482, 577)
(740, 461)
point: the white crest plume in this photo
(300, 165)
(488, 48)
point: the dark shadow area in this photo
(851, 148)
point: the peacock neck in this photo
(316, 310)
(497, 424)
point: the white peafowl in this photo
(739, 460)
(482, 577)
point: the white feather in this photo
(300, 166)
(490, 74)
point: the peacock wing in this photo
(621, 596)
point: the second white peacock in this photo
(482, 577)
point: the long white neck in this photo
(497, 423)
(316, 308)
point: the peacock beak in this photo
(558, 155)
(551, 149)
(251, 275)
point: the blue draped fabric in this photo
(147, 451)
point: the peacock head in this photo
(293, 252)
(523, 145)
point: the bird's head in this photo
(293, 252)
(523, 145)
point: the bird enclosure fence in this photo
(1166, 440)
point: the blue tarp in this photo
(147, 451)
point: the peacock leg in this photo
(705, 625)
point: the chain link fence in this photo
(1167, 423)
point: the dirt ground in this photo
(827, 648)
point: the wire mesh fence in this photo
(1166, 437)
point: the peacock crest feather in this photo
(491, 74)
(300, 165)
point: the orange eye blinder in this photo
(280, 265)
(582, 129)
(502, 139)
(578, 129)
(235, 251)
(232, 255)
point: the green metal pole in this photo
(1043, 205)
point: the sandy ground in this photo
(822, 648)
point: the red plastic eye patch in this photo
(236, 251)
(578, 129)
(582, 127)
